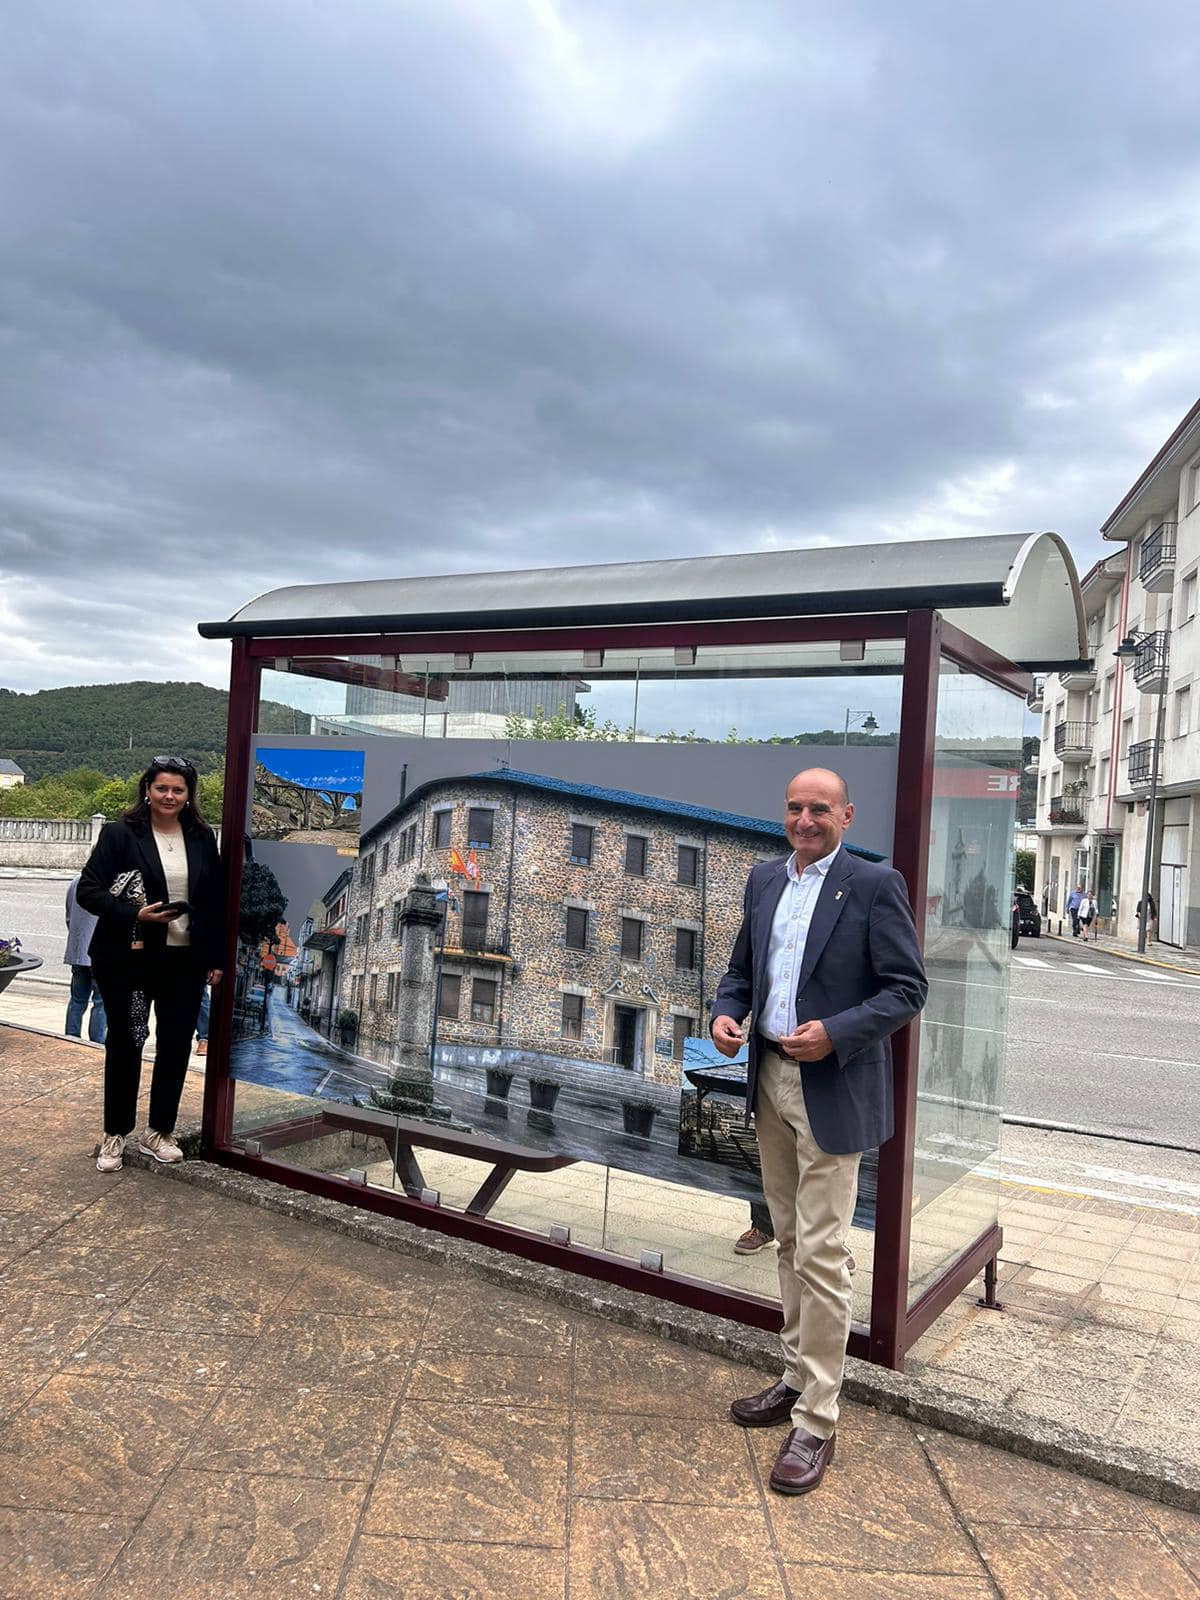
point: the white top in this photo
(172, 852)
(789, 935)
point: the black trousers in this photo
(173, 981)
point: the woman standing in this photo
(164, 946)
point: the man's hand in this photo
(727, 1036)
(810, 1042)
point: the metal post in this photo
(846, 729)
(1151, 810)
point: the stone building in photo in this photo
(590, 924)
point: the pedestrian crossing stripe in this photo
(1100, 972)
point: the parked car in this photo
(1030, 918)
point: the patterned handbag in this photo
(129, 888)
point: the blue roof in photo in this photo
(652, 803)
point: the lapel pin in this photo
(838, 895)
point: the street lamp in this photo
(869, 724)
(1128, 650)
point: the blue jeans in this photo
(202, 1019)
(83, 989)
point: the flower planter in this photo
(13, 969)
(499, 1083)
(638, 1117)
(543, 1096)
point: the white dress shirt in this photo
(789, 935)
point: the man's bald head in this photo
(825, 773)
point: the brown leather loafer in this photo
(801, 1462)
(765, 1410)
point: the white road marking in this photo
(1031, 961)
(1086, 966)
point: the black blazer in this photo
(125, 847)
(862, 976)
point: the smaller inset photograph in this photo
(308, 796)
(712, 1108)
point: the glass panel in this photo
(585, 831)
(968, 922)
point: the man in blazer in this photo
(827, 965)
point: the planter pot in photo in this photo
(543, 1096)
(638, 1119)
(498, 1083)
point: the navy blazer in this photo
(862, 976)
(123, 847)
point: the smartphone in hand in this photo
(177, 907)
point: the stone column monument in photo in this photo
(409, 1091)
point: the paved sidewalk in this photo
(209, 1399)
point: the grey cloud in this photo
(293, 293)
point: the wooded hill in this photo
(118, 728)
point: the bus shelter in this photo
(487, 836)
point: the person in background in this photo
(80, 927)
(159, 950)
(202, 1025)
(759, 1234)
(1085, 914)
(1151, 917)
(1073, 899)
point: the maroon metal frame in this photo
(894, 1325)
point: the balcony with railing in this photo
(1036, 698)
(1141, 763)
(1073, 740)
(1068, 811)
(1156, 560)
(1084, 675)
(1152, 661)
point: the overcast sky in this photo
(292, 292)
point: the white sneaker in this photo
(112, 1153)
(160, 1147)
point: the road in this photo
(33, 907)
(1094, 1041)
(1105, 1043)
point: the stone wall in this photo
(531, 881)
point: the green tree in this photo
(1025, 869)
(263, 905)
(113, 797)
(210, 792)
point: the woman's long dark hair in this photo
(190, 818)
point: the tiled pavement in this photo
(1101, 1329)
(204, 1399)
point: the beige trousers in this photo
(811, 1196)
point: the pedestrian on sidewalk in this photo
(164, 946)
(1086, 914)
(761, 1231)
(828, 963)
(202, 1025)
(81, 925)
(1073, 899)
(1151, 917)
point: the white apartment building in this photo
(1111, 733)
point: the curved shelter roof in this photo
(1017, 593)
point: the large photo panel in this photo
(518, 939)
